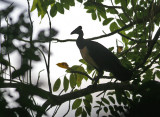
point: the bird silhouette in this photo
(100, 57)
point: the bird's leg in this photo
(100, 74)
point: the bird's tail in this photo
(123, 74)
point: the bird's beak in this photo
(73, 32)
(76, 31)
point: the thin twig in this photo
(31, 34)
(49, 54)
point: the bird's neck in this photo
(80, 41)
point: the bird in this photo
(100, 57)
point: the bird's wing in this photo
(104, 58)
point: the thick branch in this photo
(57, 100)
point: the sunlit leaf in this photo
(57, 85)
(34, 5)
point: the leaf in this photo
(80, 1)
(24, 68)
(71, 2)
(120, 22)
(65, 83)
(73, 80)
(57, 85)
(53, 10)
(76, 103)
(89, 98)
(118, 96)
(105, 101)
(158, 74)
(100, 103)
(117, 1)
(78, 111)
(84, 113)
(87, 106)
(107, 21)
(79, 80)
(63, 65)
(87, 103)
(79, 69)
(111, 99)
(60, 8)
(94, 16)
(112, 11)
(34, 5)
(119, 49)
(113, 26)
(105, 109)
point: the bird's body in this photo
(100, 57)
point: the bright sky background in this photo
(68, 51)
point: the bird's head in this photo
(78, 30)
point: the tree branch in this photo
(57, 100)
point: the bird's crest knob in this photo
(77, 30)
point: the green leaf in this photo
(60, 8)
(124, 18)
(118, 96)
(87, 103)
(158, 74)
(84, 113)
(66, 6)
(65, 83)
(76, 103)
(53, 10)
(100, 103)
(21, 71)
(148, 75)
(105, 109)
(89, 98)
(34, 5)
(87, 106)
(105, 101)
(117, 1)
(112, 11)
(80, 1)
(71, 2)
(107, 21)
(57, 85)
(73, 80)
(94, 16)
(113, 26)
(120, 22)
(78, 111)
(111, 99)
